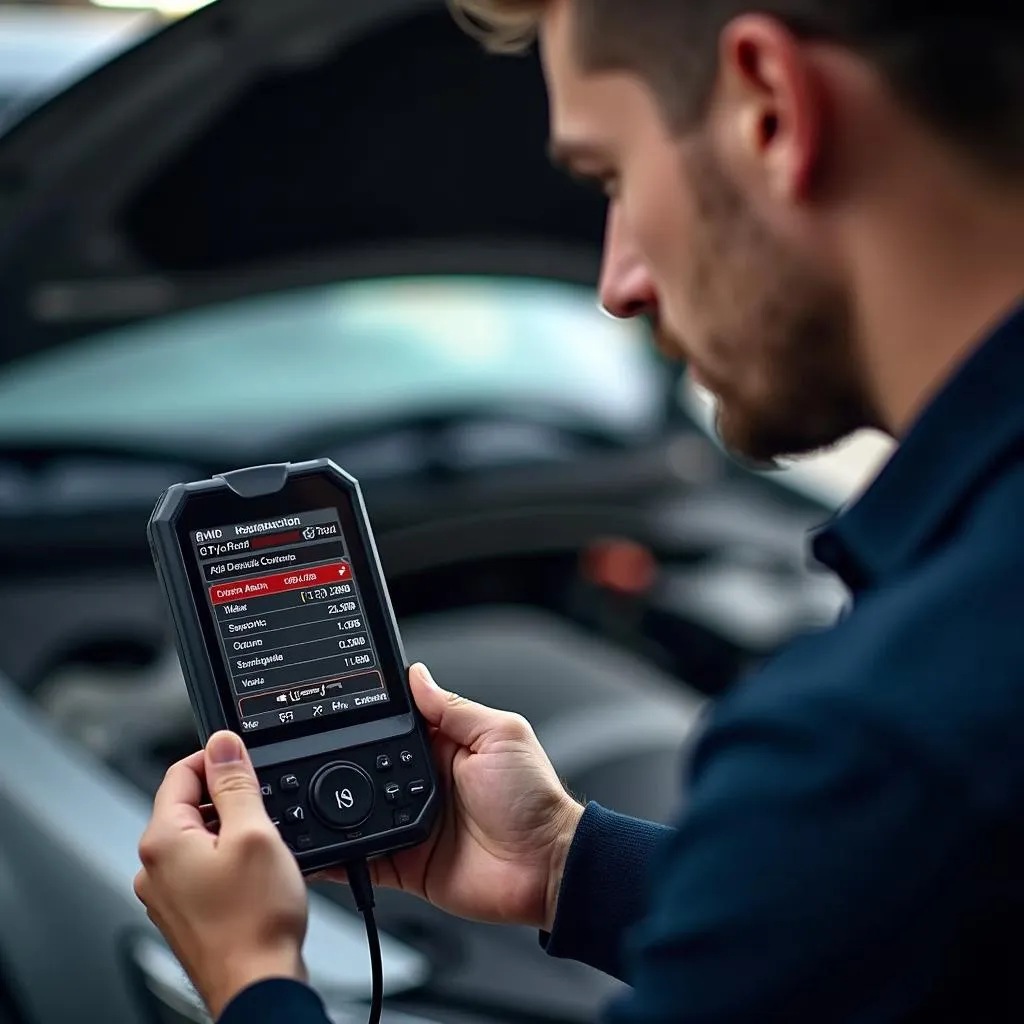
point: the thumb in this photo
(231, 780)
(455, 717)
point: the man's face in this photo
(760, 324)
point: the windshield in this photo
(341, 353)
(46, 48)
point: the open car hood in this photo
(257, 145)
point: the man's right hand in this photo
(499, 849)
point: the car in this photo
(276, 231)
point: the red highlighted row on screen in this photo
(281, 582)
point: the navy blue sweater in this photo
(853, 846)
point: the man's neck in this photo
(937, 271)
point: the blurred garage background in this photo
(254, 230)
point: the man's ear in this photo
(769, 108)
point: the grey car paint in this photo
(67, 861)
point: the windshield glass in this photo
(45, 48)
(339, 353)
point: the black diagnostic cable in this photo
(362, 889)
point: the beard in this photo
(776, 346)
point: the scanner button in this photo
(383, 763)
(417, 788)
(304, 841)
(343, 795)
(289, 782)
(392, 792)
(403, 817)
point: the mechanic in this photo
(821, 205)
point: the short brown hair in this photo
(957, 65)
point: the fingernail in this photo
(224, 748)
(425, 674)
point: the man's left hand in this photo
(232, 906)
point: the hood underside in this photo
(258, 145)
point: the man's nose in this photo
(626, 289)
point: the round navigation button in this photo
(342, 794)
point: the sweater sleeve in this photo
(275, 1001)
(604, 887)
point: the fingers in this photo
(330, 875)
(233, 786)
(177, 815)
(340, 875)
(210, 819)
(176, 804)
(182, 784)
(455, 717)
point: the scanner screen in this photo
(290, 620)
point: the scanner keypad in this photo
(352, 794)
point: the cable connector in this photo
(358, 873)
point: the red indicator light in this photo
(273, 539)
